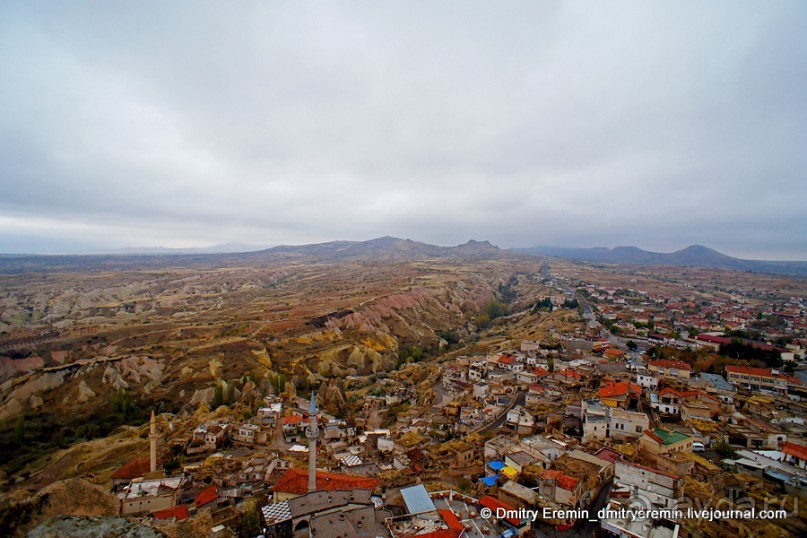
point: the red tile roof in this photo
(570, 373)
(761, 372)
(293, 419)
(451, 519)
(713, 339)
(551, 474)
(507, 359)
(209, 494)
(567, 482)
(295, 481)
(493, 504)
(792, 449)
(611, 352)
(134, 468)
(620, 388)
(669, 363)
(179, 512)
(695, 394)
(654, 437)
(608, 454)
(540, 372)
(442, 533)
(724, 340)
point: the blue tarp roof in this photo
(780, 477)
(417, 499)
(496, 465)
(489, 480)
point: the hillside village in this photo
(583, 422)
(648, 401)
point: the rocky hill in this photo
(693, 256)
(83, 353)
(380, 250)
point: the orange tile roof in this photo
(570, 373)
(451, 519)
(695, 394)
(654, 437)
(540, 372)
(134, 468)
(295, 481)
(551, 474)
(792, 449)
(179, 512)
(567, 482)
(493, 503)
(442, 533)
(209, 494)
(620, 388)
(293, 419)
(611, 352)
(762, 372)
(507, 359)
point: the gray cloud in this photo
(579, 123)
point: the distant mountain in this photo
(692, 256)
(382, 250)
(224, 248)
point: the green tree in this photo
(218, 396)
(278, 382)
(550, 364)
(121, 401)
(19, 431)
(249, 524)
(171, 465)
(494, 309)
(544, 305)
(571, 303)
(633, 346)
(724, 450)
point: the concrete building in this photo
(658, 488)
(671, 370)
(602, 422)
(660, 441)
(760, 379)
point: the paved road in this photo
(496, 424)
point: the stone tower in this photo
(153, 442)
(311, 433)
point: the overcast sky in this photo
(656, 124)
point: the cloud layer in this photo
(568, 123)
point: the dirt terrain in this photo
(83, 353)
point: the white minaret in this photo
(311, 433)
(153, 442)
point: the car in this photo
(697, 446)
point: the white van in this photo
(697, 446)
